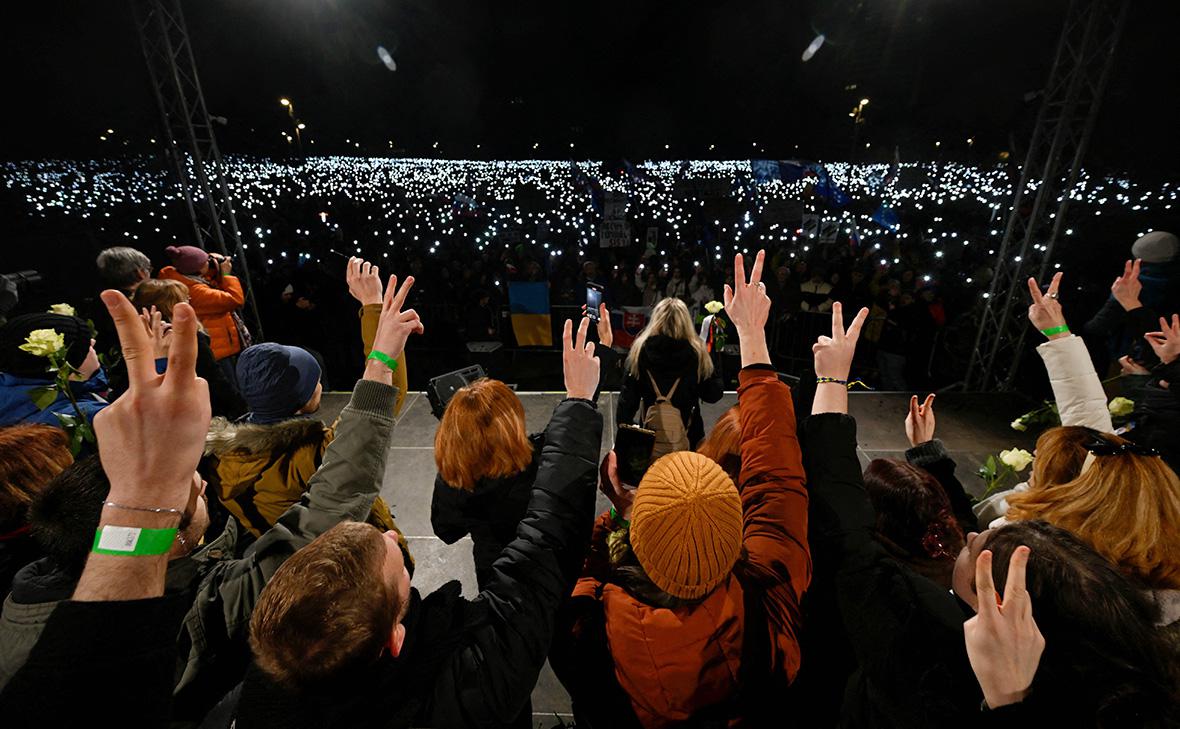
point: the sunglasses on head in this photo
(1100, 446)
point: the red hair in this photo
(724, 443)
(482, 435)
(30, 456)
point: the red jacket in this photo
(674, 663)
(214, 301)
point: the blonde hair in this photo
(670, 318)
(482, 435)
(1127, 507)
(162, 293)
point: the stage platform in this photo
(972, 426)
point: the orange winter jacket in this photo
(676, 664)
(214, 301)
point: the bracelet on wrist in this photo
(1052, 331)
(150, 509)
(617, 519)
(849, 384)
(132, 541)
(384, 359)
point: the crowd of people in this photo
(183, 543)
(914, 241)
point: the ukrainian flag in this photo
(529, 304)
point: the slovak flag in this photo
(627, 322)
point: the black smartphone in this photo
(633, 447)
(593, 300)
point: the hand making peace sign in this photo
(1045, 311)
(746, 303)
(1004, 644)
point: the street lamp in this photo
(857, 119)
(299, 126)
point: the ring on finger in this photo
(1053, 295)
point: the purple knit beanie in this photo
(189, 260)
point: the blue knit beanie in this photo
(276, 380)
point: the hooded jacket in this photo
(669, 359)
(17, 407)
(729, 656)
(259, 471)
(42, 585)
(214, 301)
(36, 591)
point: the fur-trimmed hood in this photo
(227, 438)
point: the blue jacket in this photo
(16, 406)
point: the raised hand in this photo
(149, 443)
(151, 438)
(1126, 288)
(579, 362)
(395, 326)
(606, 335)
(159, 330)
(746, 302)
(364, 281)
(919, 423)
(833, 355)
(1045, 311)
(1004, 644)
(1166, 342)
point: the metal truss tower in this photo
(189, 140)
(1069, 109)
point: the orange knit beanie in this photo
(686, 524)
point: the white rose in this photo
(1018, 424)
(1121, 406)
(1017, 458)
(714, 306)
(63, 309)
(43, 342)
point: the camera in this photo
(11, 287)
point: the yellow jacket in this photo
(370, 315)
(260, 471)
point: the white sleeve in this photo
(1076, 387)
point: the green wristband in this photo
(384, 359)
(620, 521)
(1063, 329)
(132, 541)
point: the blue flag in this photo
(828, 190)
(886, 218)
(765, 170)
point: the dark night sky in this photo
(616, 77)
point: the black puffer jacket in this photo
(905, 630)
(468, 663)
(667, 359)
(490, 512)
